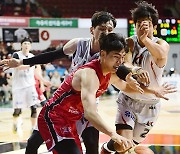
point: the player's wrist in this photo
(136, 70)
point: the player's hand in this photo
(133, 83)
(130, 44)
(47, 83)
(10, 63)
(144, 28)
(121, 144)
(166, 88)
(143, 77)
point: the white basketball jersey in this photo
(82, 55)
(23, 78)
(143, 58)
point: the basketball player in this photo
(23, 87)
(137, 114)
(76, 97)
(40, 84)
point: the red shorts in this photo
(54, 128)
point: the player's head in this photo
(145, 10)
(101, 17)
(102, 22)
(26, 44)
(112, 50)
(145, 17)
(26, 39)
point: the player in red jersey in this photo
(76, 97)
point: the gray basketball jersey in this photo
(143, 58)
(23, 78)
(82, 55)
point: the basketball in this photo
(143, 150)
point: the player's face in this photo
(26, 46)
(103, 28)
(113, 60)
(142, 24)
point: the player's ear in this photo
(92, 30)
(102, 53)
(155, 26)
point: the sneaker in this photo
(104, 151)
(17, 129)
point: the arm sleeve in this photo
(122, 72)
(44, 58)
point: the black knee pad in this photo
(123, 126)
(33, 111)
(17, 112)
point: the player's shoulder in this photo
(76, 40)
(17, 52)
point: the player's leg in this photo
(32, 100)
(90, 138)
(34, 142)
(33, 116)
(146, 120)
(17, 121)
(67, 146)
(18, 104)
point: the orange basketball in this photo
(143, 150)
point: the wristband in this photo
(122, 72)
(136, 69)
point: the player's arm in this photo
(132, 87)
(38, 74)
(43, 58)
(89, 83)
(158, 91)
(159, 50)
(22, 67)
(139, 74)
(130, 48)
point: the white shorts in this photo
(140, 116)
(25, 98)
(83, 123)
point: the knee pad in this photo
(33, 111)
(17, 112)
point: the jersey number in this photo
(145, 133)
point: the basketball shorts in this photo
(83, 123)
(140, 115)
(54, 128)
(25, 98)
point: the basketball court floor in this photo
(164, 138)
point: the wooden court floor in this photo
(165, 132)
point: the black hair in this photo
(102, 17)
(26, 39)
(112, 42)
(144, 10)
